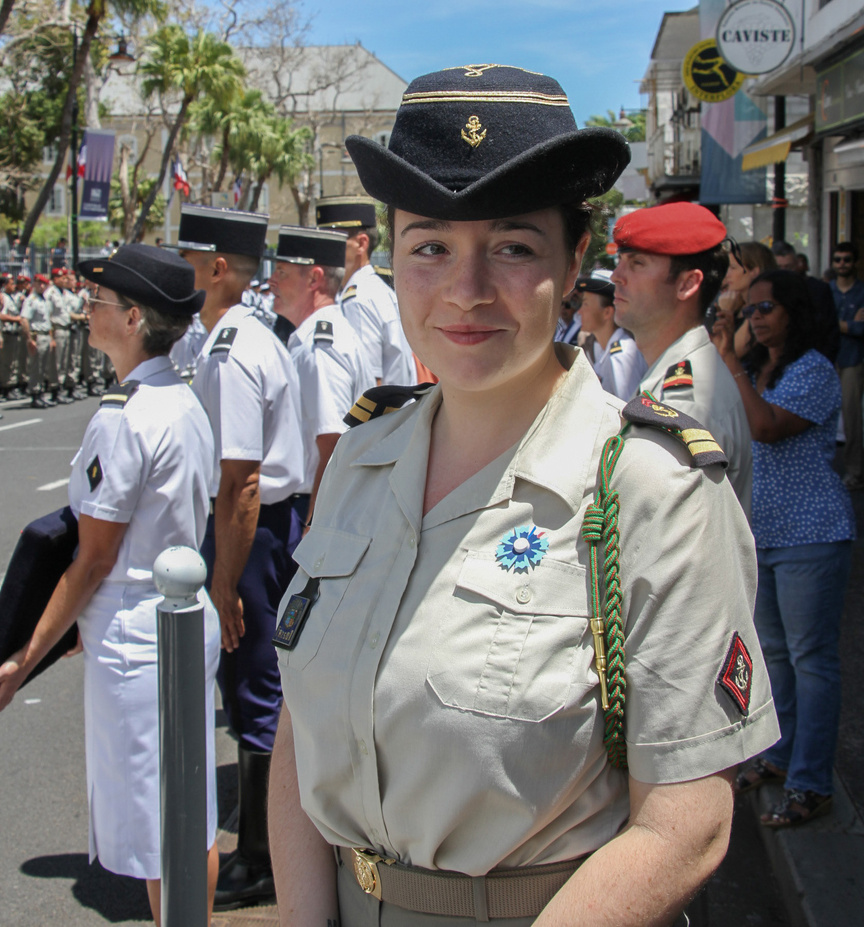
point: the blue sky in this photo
(597, 51)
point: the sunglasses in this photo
(766, 307)
(843, 260)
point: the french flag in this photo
(181, 181)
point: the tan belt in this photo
(501, 893)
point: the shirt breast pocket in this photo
(514, 645)
(331, 557)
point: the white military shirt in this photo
(37, 311)
(333, 374)
(619, 365)
(445, 708)
(371, 308)
(705, 390)
(151, 456)
(248, 386)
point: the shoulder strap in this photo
(645, 410)
(380, 400)
(119, 394)
(323, 332)
(349, 292)
(223, 342)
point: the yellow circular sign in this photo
(707, 76)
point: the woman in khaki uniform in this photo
(444, 720)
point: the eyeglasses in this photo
(766, 307)
(106, 303)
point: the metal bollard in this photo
(179, 573)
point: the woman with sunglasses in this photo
(746, 261)
(444, 717)
(804, 525)
(139, 483)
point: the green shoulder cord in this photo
(601, 527)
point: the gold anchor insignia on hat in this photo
(473, 136)
(476, 70)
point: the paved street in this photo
(45, 877)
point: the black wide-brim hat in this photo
(486, 142)
(148, 276)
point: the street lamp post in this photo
(74, 217)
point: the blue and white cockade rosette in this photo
(521, 548)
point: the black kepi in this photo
(485, 142)
(226, 231)
(345, 212)
(300, 245)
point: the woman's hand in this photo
(12, 677)
(723, 333)
(729, 301)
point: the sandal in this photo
(797, 808)
(759, 773)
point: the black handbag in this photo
(43, 553)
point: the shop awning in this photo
(775, 148)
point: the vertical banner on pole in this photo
(98, 154)
(728, 127)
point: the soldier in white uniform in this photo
(139, 483)
(671, 266)
(611, 350)
(330, 362)
(458, 701)
(366, 300)
(248, 386)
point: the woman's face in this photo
(107, 319)
(479, 300)
(769, 329)
(738, 277)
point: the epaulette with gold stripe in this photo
(679, 376)
(645, 410)
(380, 400)
(119, 394)
(349, 293)
(616, 348)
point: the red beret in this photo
(41, 278)
(673, 228)
(23, 278)
(58, 271)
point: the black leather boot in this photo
(246, 877)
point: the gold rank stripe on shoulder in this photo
(616, 348)
(119, 394)
(489, 96)
(381, 400)
(350, 293)
(700, 443)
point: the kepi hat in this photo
(345, 212)
(227, 231)
(485, 142)
(299, 245)
(598, 281)
(671, 228)
(133, 272)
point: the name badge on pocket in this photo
(294, 617)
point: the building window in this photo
(383, 138)
(49, 154)
(56, 205)
(264, 199)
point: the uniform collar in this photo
(578, 409)
(150, 367)
(679, 350)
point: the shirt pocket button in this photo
(523, 596)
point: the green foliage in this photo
(631, 125)
(116, 215)
(605, 208)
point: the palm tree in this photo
(177, 65)
(631, 126)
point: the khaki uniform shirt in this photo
(446, 711)
(713, 399)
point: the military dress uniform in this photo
(10, 350)
(147, 461)
(333, 374)
(40, 368)
(690, 376)
(248, 386)
(61, 325)
(434, 624)
(620, 365)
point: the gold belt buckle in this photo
(366, 871)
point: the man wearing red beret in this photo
(671, 265)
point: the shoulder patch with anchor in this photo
(679, 376)
(380, 400)
(119, 394)
(616, 348)
(736, 674)
(223, 342)
(349, 293)
(323, 332)
(645, 410)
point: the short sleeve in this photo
(241, 412)
(116, 464)
(688, 571)
(809, 388)
(334, 393)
